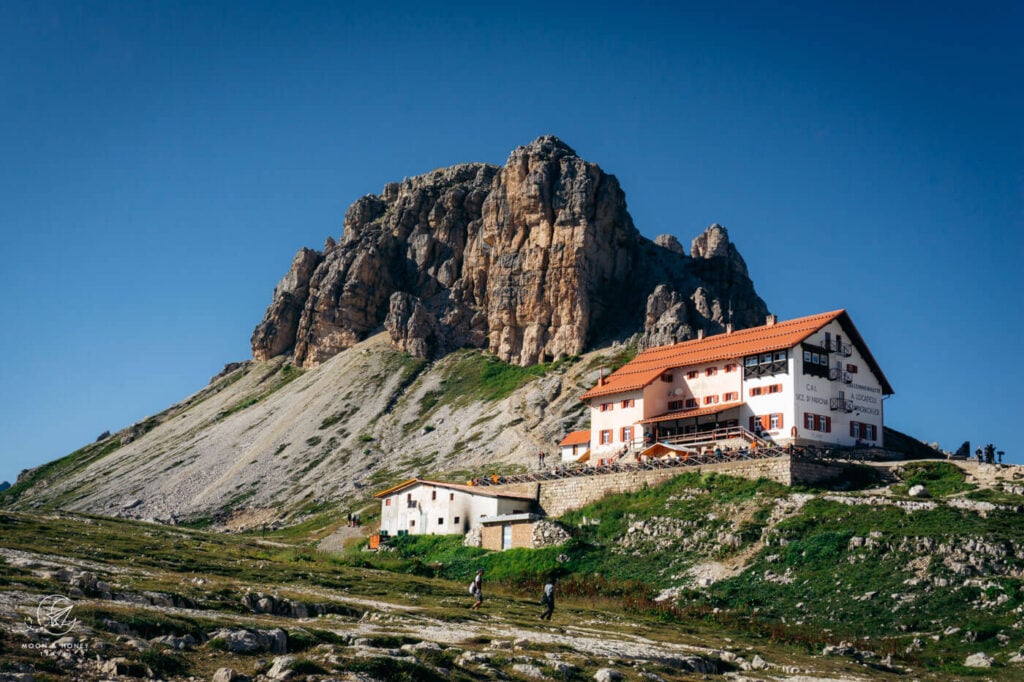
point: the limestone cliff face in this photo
(534, 260)
(704, 292)
(553, 254)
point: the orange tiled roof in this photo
(650, 364)
(686, 414)
(575, 438)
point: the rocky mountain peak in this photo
(545, 146)
(534, 260)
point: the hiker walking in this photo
(547, 598)
(476, 588)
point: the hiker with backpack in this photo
(547, 598)
(476, 588)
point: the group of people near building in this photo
(493, 479)
(547, 597)
(989, 454)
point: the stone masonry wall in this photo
(557, 497)
(522, 535)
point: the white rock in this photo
(979, 660)
(528, 670)
(280, 668)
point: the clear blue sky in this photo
(163, 161)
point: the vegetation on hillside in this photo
(929, 586)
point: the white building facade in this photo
(419, 507)
(809, 381)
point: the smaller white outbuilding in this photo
(420, 507)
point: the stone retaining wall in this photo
(559, 496)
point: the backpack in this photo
(472, 588)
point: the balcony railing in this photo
(844, 349)
(837, 374)
(840, 405)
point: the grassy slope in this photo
(804, 582)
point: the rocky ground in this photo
(156, 602)
(267, 439)
(131, 618)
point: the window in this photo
(731, 367)
(730, 397)
(691, 403)
(710, 399)
(818, 422)
(666, 377)
(815, 359)
(607, 407)
(387, 502)
(756, 390)
(455, 520)
(711, 371)
(440, 520)
(766, 358)
(627, 434)
(412, 523)
(807, 356)
(775, 420)
(775, 388)
(750, 361)
(780, 356)
(863, 431)
(451, 496)
(692, 374)
(433, 494)
(852, 369)
(628, 403)
(823, 360)
(675, 404)
(606, 437)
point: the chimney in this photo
(770, 320)
(728, 327)
(700, 333)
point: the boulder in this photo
(979, 660)
(280, 669)
(229, 675)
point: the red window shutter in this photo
(766, 422)
(780, 418)
(752, 426)
(828, 424)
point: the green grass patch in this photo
(939, 478)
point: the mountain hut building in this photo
(810, 381)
